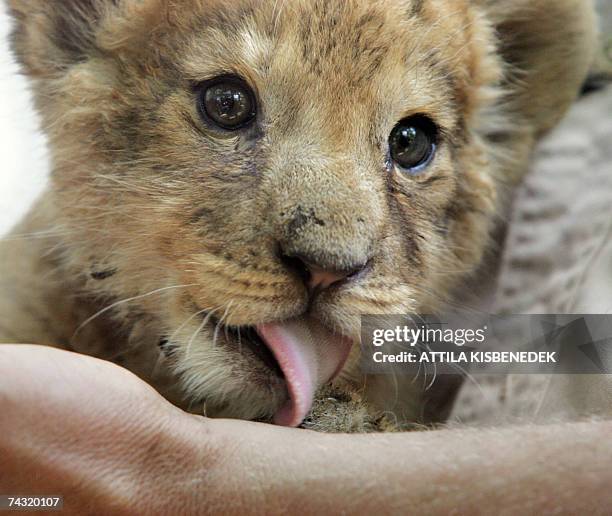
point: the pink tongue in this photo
(309, 356)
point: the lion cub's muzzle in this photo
(326, 240)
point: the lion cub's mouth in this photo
(302, 351)
(248, 336)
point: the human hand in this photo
(90, 431)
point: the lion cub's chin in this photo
(270, 371)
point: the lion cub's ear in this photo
(549, 46)
(51, 35)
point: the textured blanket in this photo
(557, 259)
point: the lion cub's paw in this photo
(340, 410)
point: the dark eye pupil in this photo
(229, 103)
(412, 142)
(226, 102)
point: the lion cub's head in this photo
(257, 174)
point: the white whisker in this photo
(124, 301)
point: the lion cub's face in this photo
(236, 166)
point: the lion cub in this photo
(235, 183)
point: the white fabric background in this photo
(23, 163)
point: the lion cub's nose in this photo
(316, 277)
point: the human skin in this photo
(94, 433)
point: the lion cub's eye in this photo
(227, 101)
(412, 143)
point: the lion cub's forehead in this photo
(344, 59)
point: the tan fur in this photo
(160, 219)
